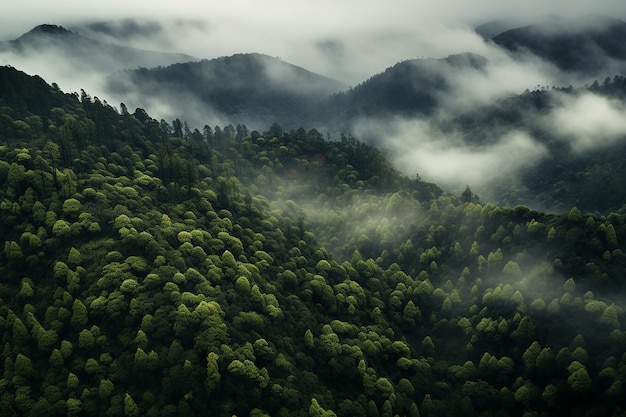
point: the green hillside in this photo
(153, 270)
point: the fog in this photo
(590, 122)
(364, 37)
(349, 41)
(582, 123)
(418, 147)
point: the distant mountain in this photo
(408, 88)
(257, 89)
(253, 88)
(120, 31)
(46, 41)
(493, 28)
(591, 45)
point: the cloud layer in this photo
(349, 40)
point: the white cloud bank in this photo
(590, 121)
(368, 35)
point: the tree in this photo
(72, 381)
(74, 258)
(428, 347)
(468, 196)
(61, 228)
(611, 236)
(79, 314)
(316, 410)
(74, 406)
(574, 215)
(23, 367)
(86, 340)
(12, 250)
(525, 330)
(212, 371)
(130, 407)
(52, 154)
(105, 389)
(512, 270)
(411, 314)
(579, 379)
(308, 339)
(72, 207)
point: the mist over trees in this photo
(456, 120)
(152, 268)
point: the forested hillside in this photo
(582, 164)
(409, 88)
(149, 268)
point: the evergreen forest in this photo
(149, 268)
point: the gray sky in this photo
(345, 39)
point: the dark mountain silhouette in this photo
(258, 89)
(591, 45)
(495, 27)
(408, 88)
(120, 31)
(247, 88)
(51, 41)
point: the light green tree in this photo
(105, 389)
(316, 410)
(79, 314)
(72, 207)
(130, 406)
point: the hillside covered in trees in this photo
(151, 269)
(582, 160)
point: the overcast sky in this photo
(345, 39)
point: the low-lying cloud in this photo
(418, 147)
(590, 121)
(500, 155)
(371, 35)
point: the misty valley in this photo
(240, 236)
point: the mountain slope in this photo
(589, 45)
(409, 88)
(245, 88)
(144, 275)
(86, 53)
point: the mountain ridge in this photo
(247, 88)
(48, 40)
(584, 45)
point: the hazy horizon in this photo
(346, 40)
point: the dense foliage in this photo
(148, 269)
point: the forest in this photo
(153, 269)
